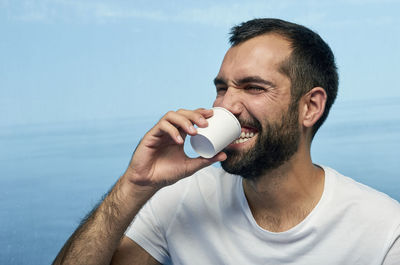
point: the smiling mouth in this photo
(247, 134)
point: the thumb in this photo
(198, 163)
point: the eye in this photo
(253, 88)
(220, 89)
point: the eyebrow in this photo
(245, 80)
(219, 81)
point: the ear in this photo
(313, 106)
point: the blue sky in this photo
(82, 60)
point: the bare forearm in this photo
(96, 239)
(158, 160)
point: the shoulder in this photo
(193, 195)
(205, 181)
(366, 200)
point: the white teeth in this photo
(241, 140)
(244, 136)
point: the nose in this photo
(230, 100)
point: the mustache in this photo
(251, 123)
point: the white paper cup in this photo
(223, 128)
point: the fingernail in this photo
(203, 121)
(192, 129)
(179, 138)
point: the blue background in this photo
(82, 81)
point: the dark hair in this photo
(311, 63)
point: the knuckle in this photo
(181, 110)
(163, 123)
(169, 113)
(197, 116)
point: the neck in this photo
(283, 197)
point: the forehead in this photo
(261, 56)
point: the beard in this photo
(276, 143)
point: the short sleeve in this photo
(148, 228)
(393, 255)
(148, 233)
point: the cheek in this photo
(258, 109)
(265, 108)
(263, 112)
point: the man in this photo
(269, 204)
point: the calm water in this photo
(51, 175)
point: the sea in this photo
(53, 174)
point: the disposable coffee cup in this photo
(223, 128)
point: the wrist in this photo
(134, 191)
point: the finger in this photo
(207, 113)
(221, 156)
(180, 121)
(172, 131)
(196, 117)
(201, 162)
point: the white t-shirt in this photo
(205, 219)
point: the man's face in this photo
(250, 85)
